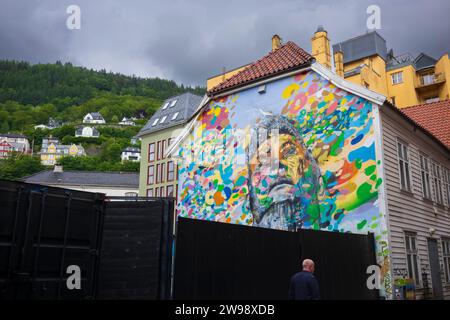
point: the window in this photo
(162, 192)
(157, 173)
(155, 122)
(165, 106)
(158, 151)
(162, 174)
(428, 79)
(170, 191)
(446, 174)
(170, 171)
(446, 254)
(149, 192)
(163, 148)
(397, 77)
(425, 175)
(173, 103)
(151, 152)
(175, 115)
(403, 163)
(163, 119)
(156, 192)
(437, 182)
(412, 257)
(151, 175)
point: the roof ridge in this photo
(426, 103)
(288, 56)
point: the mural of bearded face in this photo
(283, 176)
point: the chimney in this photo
(320, 47)
(57, 168)
(339, 63)
(276, 42)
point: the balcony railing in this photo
(430, 79)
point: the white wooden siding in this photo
(409, 211)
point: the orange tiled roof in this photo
(433, 117)
(288, 57)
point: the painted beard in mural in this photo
(280, 187)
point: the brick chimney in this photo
(320, 47)
(276, 42)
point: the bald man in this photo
(304, 285)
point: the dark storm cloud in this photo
(188, 41)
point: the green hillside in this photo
(30, 94)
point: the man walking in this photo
(304, 285)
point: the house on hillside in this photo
(52, 151)
(127, 122)
(286, 143)
(160, 178)
(13, 142)
(94, 117)
(87, 132)
(131, 154)
(52, 124)
(123, 184)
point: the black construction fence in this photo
(124, 249)
(122, 246)
(225, 261)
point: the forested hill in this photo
(30, 94)
(68, 84)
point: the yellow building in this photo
(365, 60)
(405, 80)
(52, 151)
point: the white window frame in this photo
(425, 176)
(397, 77)
(446, 258)
(436, 179)
(446, 173)
(404, 163)
(409, 252)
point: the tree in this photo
(5, 127)
(18, 166)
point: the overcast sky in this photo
(189, 41)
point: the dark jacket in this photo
(304, 286)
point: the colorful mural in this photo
(300, 155)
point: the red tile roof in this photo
(433, 117)
(288, 57)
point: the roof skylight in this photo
(175, 115)
(173, 103)
(155, 122)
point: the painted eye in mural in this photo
(288, 149)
